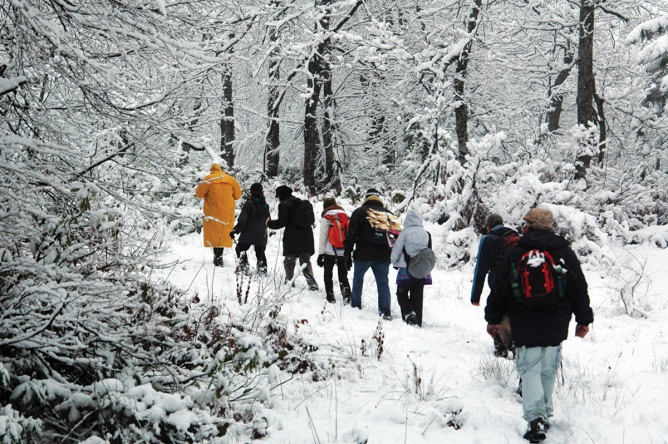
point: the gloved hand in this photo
(321, 260)
(348, 260)
(233, 233)
(492, 330)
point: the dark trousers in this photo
(289, 262)
(344, 285)
(259, 255)
(409, 297)
(218, 256)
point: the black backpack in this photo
(302, 214)
(536, 279)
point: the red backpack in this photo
(536, 279)
(337, 229)
(508, 240)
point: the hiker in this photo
(298, 236)
(540, 285)
(492, 248)
(220, 191)
(252, 229)
(333, 229)
(371, 251)
(411, 241)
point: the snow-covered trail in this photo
(612, 390)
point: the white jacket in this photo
(414, 238)
(324, 247)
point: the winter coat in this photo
(324, 246)
(488, 251)
(365, 251)
(413, 238)
(252, 222)
(546, 325)
(220, 191)
(296, 240)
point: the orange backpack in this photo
(337, 229)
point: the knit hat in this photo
(539, 218)
(283, 192)
(256, 190)
(328, 202)
(371, 192)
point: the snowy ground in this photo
(612, 389)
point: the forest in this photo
(110, 109)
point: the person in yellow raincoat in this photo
(220, 191)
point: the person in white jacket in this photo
(413, 239)
(335, 218)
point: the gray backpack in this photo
(420, 265)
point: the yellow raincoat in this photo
(219, 191)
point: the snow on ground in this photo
(612, 388)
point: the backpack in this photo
(508, 240)
(420, 265)
(338, 229)
(382, 229)
(536, 279)
(302, 214)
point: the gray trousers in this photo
(304, 258)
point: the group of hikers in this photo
(535, 279)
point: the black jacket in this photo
(546, 325)
(296, 240)
(365, 251)
(251, 223)
(486, 262)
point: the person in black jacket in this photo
(538, 327)
(297, 241)
(252, 229)
(369, 253)
(488, 262)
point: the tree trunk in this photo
(227, 122)
(462, 110)
(556, 99)
(272, 142)
(586, 84)
(311, 132)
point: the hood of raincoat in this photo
(413, 219)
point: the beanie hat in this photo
(283, 192)
(539, 218)
(328, 202)
(371, 192)
(256, 190)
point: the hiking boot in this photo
(331, 299)
(536, 431)
(411, 318)
(387, 317)
(218, 262)
(346, 296)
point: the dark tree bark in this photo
(311, 131)
(272, 143)
(556, 98)
(462, 110)
(319, 77)
(227, 121)
(586, 83)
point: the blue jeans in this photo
(381, 270)
(537, 367)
